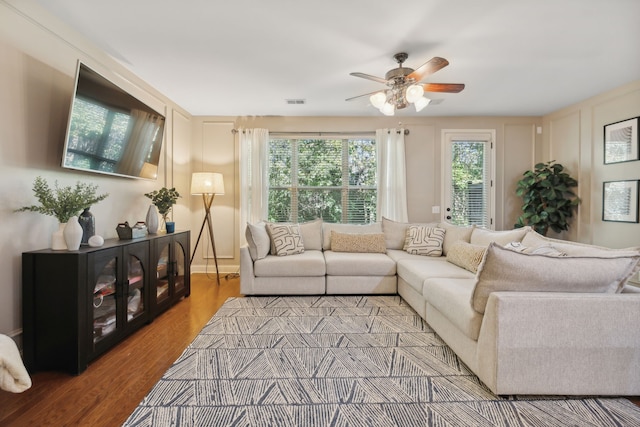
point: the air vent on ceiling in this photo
(295, 101)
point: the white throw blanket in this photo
(13, 375)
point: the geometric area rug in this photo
(342, 361)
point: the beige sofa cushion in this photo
(311, 232)
(258, 240)
(506, 270)
(424, 240)
(533, 240)
(466, 255)
(454, 233)
(306, 264)
(451, 298)
(358, 264)
(355, 242)
(375, 227)
(483, 236)
(417, 269)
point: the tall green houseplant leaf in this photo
(549, 201)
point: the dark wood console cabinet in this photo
(79, 304)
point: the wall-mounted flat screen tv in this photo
(110, 131)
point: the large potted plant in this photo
(548, 199)
(163, 199)
(63, 203)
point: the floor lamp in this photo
(207, 184)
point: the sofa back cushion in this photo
(483, 236)
(454, 233)
(311, 232)
(506, 270)
(258, 240)
(375, 227)
(533, 240)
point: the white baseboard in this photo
(211, 269)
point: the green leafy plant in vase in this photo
(63, 203)
(164, 199)
(549, 201)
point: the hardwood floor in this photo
(113, 385)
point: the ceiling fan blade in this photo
(370, 77)
(443, 87)
(431, 66)
(360, 96)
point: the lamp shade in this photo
(207, 183)
(414, 93)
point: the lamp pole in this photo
(207, 200)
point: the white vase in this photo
(57, 238)
(152, 220)
(73, 234)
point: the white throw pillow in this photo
(258, 240)
(285, 239)
(483, 236)
(423, 240)
(506, 270)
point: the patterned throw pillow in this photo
(423, 240)
(358, 242)
(286, 239)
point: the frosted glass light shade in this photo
(388, 109)
(414, 93)
(378, 99)
(207, 183)
(421, 103)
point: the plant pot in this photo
(170, 226)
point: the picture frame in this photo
(621, 141)
(620, 201)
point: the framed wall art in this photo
(620, 201)
(621, 142)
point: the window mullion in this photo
(294, 180)
(345, 181)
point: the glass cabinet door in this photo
(135, 288)
(105, 301)
(179, 267)
(162, 274)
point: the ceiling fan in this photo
(405, 85)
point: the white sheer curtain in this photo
(254, 178)
(141, 136)
(392, 179)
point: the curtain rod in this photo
(368, 132)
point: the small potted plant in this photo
(63, 203)
(163, 199)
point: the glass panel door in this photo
(135, 292)
(104, 302)
(179, 263)
(162, 274)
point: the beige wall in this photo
(215, 149)
(38, 57)
(574, 137)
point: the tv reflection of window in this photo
(111, 140)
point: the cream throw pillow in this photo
(423, 240)
(466, 255)
(285, 239)
(483, 236)
(506, 270)
(358, 242)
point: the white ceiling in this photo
(245, 57)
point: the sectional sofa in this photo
(527, 314)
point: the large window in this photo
(329, 178)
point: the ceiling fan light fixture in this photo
(414, 93)
(378, 99)
(421, 103)
(388, 109)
